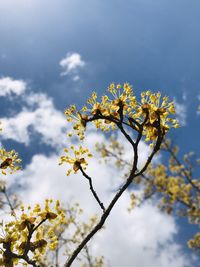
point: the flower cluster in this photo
(151, 114)
(149, 117)
(179, 190)
(26, 234)
(174, 187)
(195, 243)
(79, 121)
(9, 161)
(156, 110)
(76, 158)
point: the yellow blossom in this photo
(9, 161)
(76, 158)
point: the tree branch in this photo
(129, 180)
(92, 189)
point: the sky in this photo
(55, 53)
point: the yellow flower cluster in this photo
(9, 161)
(76, 158)
(195, 242)
(134, 202)
(180, 192)
(26, 234)
(149, 117)
(79, 121)
(157, 111)
(152, 112)
(174, 187)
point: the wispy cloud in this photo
(181, 112)
(70, 64)
(10, 86)
(198, 108)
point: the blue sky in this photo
(150, 44)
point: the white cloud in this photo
(8, 86)
(76, 78)
(145, 238)
(181, 113)
(70, 65)
(40, 116)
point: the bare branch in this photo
(92, 189)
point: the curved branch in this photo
(101, 222)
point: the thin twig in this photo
(8, 201)
(92, 189)
(99, 225)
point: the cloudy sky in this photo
(54, 53)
